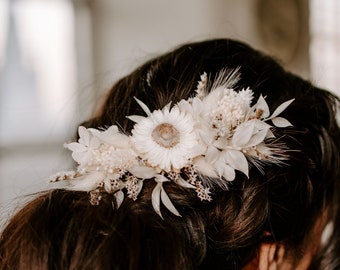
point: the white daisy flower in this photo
(166, 138)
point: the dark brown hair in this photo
(61, 230)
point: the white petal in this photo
(119, 141)
(113, 130)
(228, 173)
(135, 118)
(197, 105)
(168, 204)
(206, 136)
(95, 131)
(281, 108)
(155, 198)
(81, 157)
(212, 154)
(184, 105)
(221, 143)
(112, 137)
(119, 195)
(219, 166)
(94, 142)
(84, 135)
(143, 172)
(167, 107)
(198, 150)
(281, 122)
(76, 147)
(144, 107)
(237, 160)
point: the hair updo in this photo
(60, 229)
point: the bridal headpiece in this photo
(197, 143)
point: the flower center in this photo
(166, 135)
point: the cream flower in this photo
(227, 109)
(166, 138)
(82, 151)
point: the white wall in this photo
(126, 33)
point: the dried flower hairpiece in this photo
(210, 135)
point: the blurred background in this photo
(58, 58)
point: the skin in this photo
(275, 257)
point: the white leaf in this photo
(262, 104)
(119, 195)
(144, 107)
(243, 133)
(205, 167)
(159, 178)
(281, 108)
(155, 198)
(143, 172)
(107, 185)
(181, 182)
(257, 138)
(236, 160)
(135, 118)
(167, 202)
(270, 134)
(281, 122)
(139, 186)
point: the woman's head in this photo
(276, 205)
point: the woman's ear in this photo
(270, 257)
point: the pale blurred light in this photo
(45, 32)
(38, 95)
(325, 43)
(3, 29)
